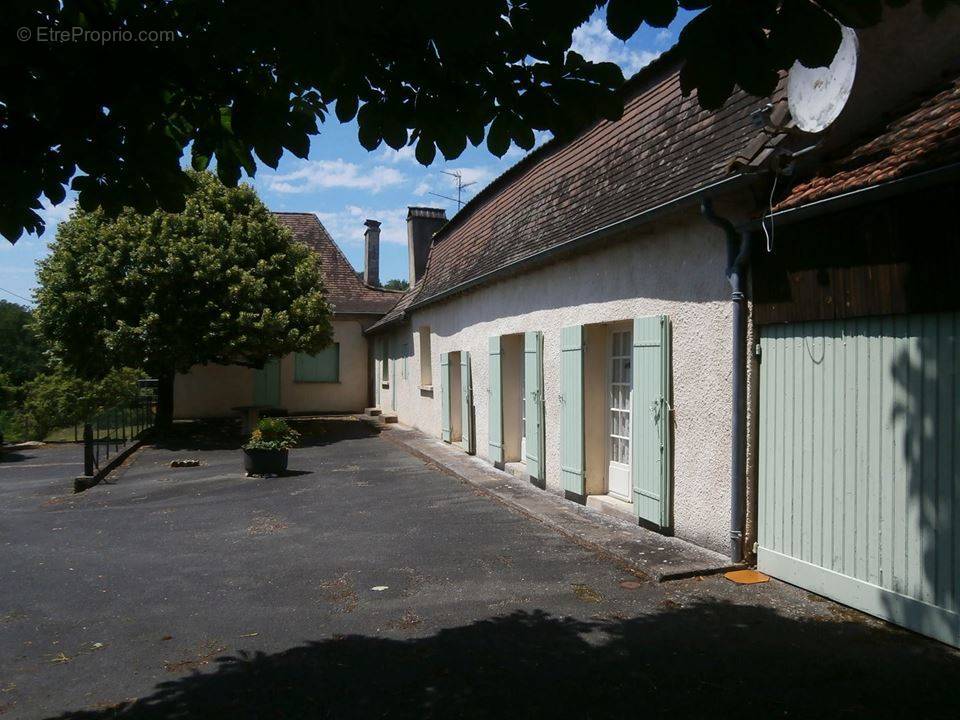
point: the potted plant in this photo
(268, 449)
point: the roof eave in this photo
(584, 240)
(859, 196)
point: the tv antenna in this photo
(461, 186)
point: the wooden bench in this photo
(250, 414)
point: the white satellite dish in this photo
(816, 96)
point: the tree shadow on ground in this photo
(12, 456)
(214, 434)
(316, 432)
(225, 434)
(712, 659)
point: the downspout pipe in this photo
(738, 261)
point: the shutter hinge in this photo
(758, 352)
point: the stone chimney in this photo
(422, 225)
(371, 253)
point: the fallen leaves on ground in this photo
(586, 593)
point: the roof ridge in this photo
(629, 87)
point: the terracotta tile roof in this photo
(397, 311)
(664, 147)
(345, 290)
(924, 138)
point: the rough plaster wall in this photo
(348, 395)
(676, 269)
(213, 390)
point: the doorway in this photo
(456, 398)
(513, 391)
(619, 396)
(266, 384)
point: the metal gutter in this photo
(860, 196)
(738, 265)
(581, 241)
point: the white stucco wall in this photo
(675, 269)
(213, 390)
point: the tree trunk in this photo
(165, 399)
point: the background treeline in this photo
(39, 398)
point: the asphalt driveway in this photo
(369, 584)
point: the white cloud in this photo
(664, 37)
(406, 154)
(324, 174)
(346, 226)
(596, 43)
(53, 215)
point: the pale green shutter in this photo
(650, 439)
(496, 403)
(376, 371)
(533, 378)
(571, 410)
(466, 404)
(266, 384)
(393, 384)
(322, 367)
(445, 397)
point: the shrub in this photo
(272, 434)
(60, 399)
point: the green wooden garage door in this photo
(859, 465)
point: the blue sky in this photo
(344, 184)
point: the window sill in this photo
(426, 388)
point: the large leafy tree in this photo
(241, 80)
(21, 356)
(222, 281)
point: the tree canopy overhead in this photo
(111, 113)
(220, 282)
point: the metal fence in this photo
(110, 430)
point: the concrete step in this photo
(390, 417)
(613, 507)
(372, 411)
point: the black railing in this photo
(110, 430)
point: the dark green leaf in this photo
(498, 136)
(624, 17)
(199, 161)
(346, 108)
(425, 151)
(660, 13)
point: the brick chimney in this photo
(422, 225)
(371, 253)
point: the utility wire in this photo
(10, 292)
